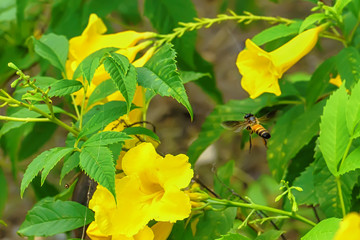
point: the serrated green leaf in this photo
(98, 164)
(55, 217)
(306, 182)
(69, 164)
(353, 109)
(53, 48)
(105, 138)
(276, 32)
(52, 159)
(324, 230)
(334, 135)
(211, 128)
(123, 74)
(190, 76)
(89, 65)
(351, 162)
(141, 131)
(319, 80)
(103, 90)
(101, 115)
(290, 134)
(160, 75)
(33, 169)
(64, 87)
(311, 19)
(348, 65)
(26, 113)
(326, 189)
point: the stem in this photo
(351, 36)
(330, 36)
(15, 119)
(346, 152)
(75, 106)
(229, 203)
(338, 183)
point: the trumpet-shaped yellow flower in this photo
(93, 39)
(151, 190)
(261, 70)
(349, 228)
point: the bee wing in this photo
(236, 126)
(263, 119)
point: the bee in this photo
(250, 123)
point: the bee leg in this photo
(250, 142)
(265, 143)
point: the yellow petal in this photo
(162, 230)
(261, 70)
(336, 81)
(291, 52)
(174, 171)
(137, 159)
(145, 234)
(349, 228)
(173, 206)
(143, 59)
(95, 234)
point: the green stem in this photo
(351, 36)
(346, 152)
(228, 203)
(333, 37)
(15, 119)
(338, 183)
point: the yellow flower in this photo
(336, 81)
(349, 228)
(151, 190)
(93, 39)
(261, 70)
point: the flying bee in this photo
(250, 123)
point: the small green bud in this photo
(14, 83)
(13, 66)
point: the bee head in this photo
(248, 115)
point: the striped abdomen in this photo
(261, 131)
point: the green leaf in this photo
(324, 230)
(233, 236)
(340, 4)
(98, 164)
(348, 64)
(53, 48)
(190, 76)
(290, 134)
(123, 74)
(52, 159)
(141, 131)
(319, 80)
(306, 182)
(160, 75)
(69, 164)
(64, 87)
(212, 129)
(334, 135)
(89, 65)
(165, 17)
(276, 32)
(270, 235)
(34, 168)
(55, 217)
(222, 179)
(103, 90)
(310, 20)
(327, 191)
(353, 109)
(3, 192)
(101, 115)
(105, 138)
(351, 162)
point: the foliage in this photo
(72, 73)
